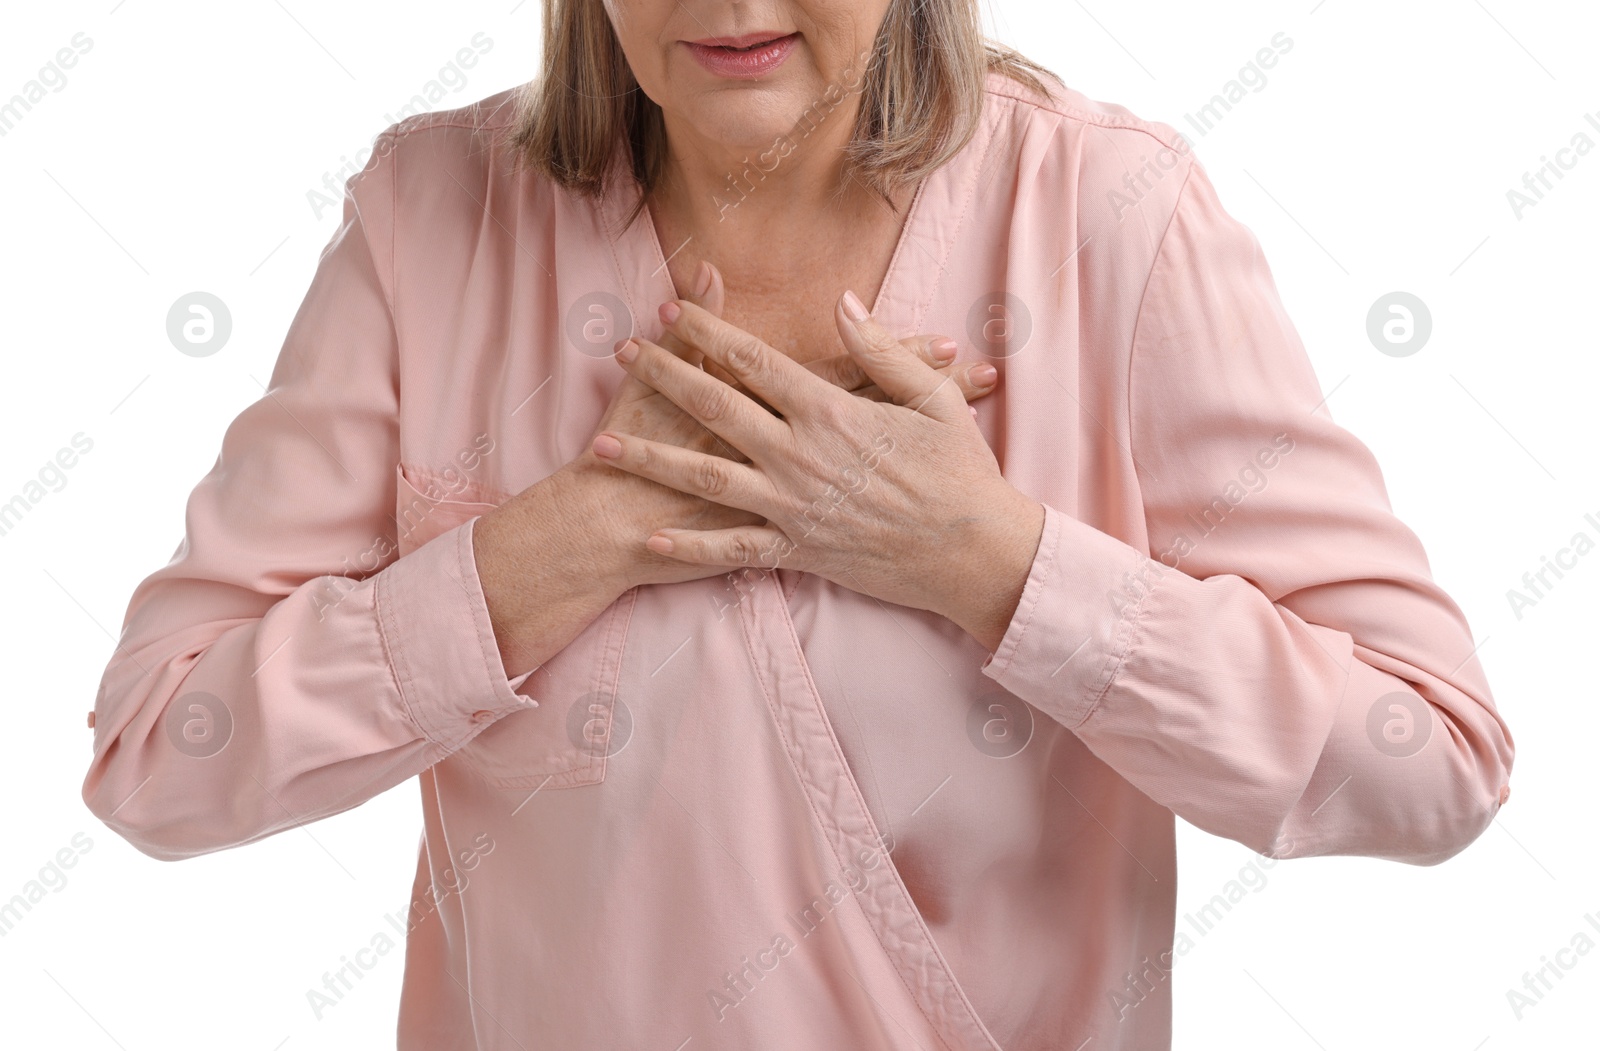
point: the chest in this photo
(791, 306)
(802, 329)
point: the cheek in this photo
(842, 31)
(643, 31)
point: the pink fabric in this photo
(811, 837)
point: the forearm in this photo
(1365, 734)
(546, 570)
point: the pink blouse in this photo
(761, 809)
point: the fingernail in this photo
(943, 349)
(607, 446)
(661, 544)
(669, 312)
(702, 279)
(974, 410)
(627, 350)
(853, 309)
(983, 374)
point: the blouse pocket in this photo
(565, 741)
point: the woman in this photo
(882, 750)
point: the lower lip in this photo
(744, 65)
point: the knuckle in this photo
(711, 401)
(743, 550)
(744, 355)
(832, 413)
(647, 366)
(711, 478)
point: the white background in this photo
(178, 157)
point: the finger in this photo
(761, 546)
(711, 299)
(902, 376)
(708, 276)
(712, 478)
(725, 412)
(778, 379)
(842, 371)
(971, 390)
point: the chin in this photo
(745, 118)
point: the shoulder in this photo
(434, 181)
(462, 148)
(1117, 173)
(1076, 114)
(479, 123)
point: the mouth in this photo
(746, 57)
(740, 43)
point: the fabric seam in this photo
(791, 750)
(1033, 605)
(391, 654)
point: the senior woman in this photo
(762, 691)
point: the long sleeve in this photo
(285, 665)
(1279, 667)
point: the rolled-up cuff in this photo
(440, 641)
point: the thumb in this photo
(897, 370)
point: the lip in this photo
(715, 56)
(739, 41)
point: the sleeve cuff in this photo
(1074, 622)
(440, 641)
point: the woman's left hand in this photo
(901, 499)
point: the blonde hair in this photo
(921, 88)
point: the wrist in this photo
(583, 505)
(992, 566)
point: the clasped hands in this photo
(899, 499)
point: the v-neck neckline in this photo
(906, 291)
(913, 214)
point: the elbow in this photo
(1414, 824)
(1459, 819)
(151, 838)
(1460, 805)
(133, 808)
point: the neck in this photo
(757, 202)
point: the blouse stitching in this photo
(1044, 570)
(1104, 120)
(1135, 615)
(801, 769)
